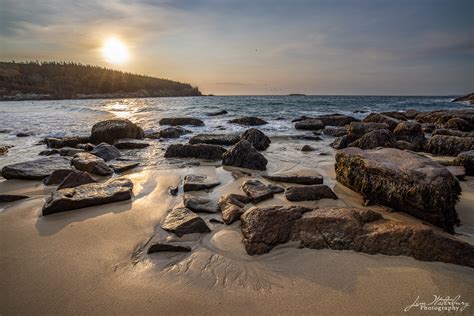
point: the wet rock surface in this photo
(232, 207)
(290, 177)
(310, 125)
(87, 195)
(200, 151)
(244, 155)
(256, 138)
(36, 169)
(69, 152)
(380, 118)
(217, 113)
(174, 121)
(122, 166)
(374, 139)
(197, 183)
(163, 247)
(76, 178)
(57, 176)
(257, 191)
(91, 163)
(131, 144)
(215, 139)
(110, 131)
(334, 131)
(336, 119)
(6, 198)
(106, 151)
(466, 159)
(309, 193)
(200, 204)
(70, 141)
(182, 221)
(169, 132)
(248, 121)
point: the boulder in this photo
(197, 183)
(69, 141)
(452, 132)
(411, 114)
(358, 129)
(256, 138)
(222, 112)
(182, 221)
(106, 151)
(7, 198)
(309, 193)
(396, 115)
(75, 179)
(248, 121)
(200, 204)
(334, 131)
(336, 119)
(48, 152)
(380, 118)
(291, 177)
(309, 125)
(91, 163)
(162, 247)
(36, 169)
(122, 166)
(440, 118)
(174, 121)
(459, 124)
(131, 144)
(110, 131)
(257, 191)
(307, 148)
(4, 149)
(428, 128)
(411, 132)
(57, 176)
(232, 207)
(449, 145)
(169, 132)
(466, 159)
(402, 180)
(68, 151)
(374, 139)
(244, 155)
(215, 139)
(341, 142)
(200, 151)
(87, 195)
(301, 118)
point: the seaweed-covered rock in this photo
(293, 177)
(169, 132)
(459, 124)
(374, 139)
(452, 132)
(87, 195)
(449, 145)
(256, 138)
(341, 142)
(200, 204)
(131, 144)
(182, 221)
(200, 151)
(402, 180)
(91, 163)
(75, 179)
(106, 151)
(248, 121)
(36, 169)
(232, 207)
(309, 193)
(197, 183)
(173, 121)
(336, 119)
(310, 125)
(244, 155)
(334, 131)
(466, 159)
(440, 118)
(110, 131)
(380, 118)
(215, 139)
(412, 133)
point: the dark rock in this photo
(248, 121)
(4, 149)
(466, 159)
(22, 135)
(91, 163)
(466, 98)
(197, 183)
(215, 139)
(86, 147)
(440, 118)
(458, 171)
(173, 190)
(169, 132)
(336, 119)
(459, 124)
(256, 138)
(122, 166)
(295, 178)
(380, 118)
(309, 124)
(200, 151)
(244, 155)
(75, 179)
(358, 129)
(412, 133)
(70, 141)
(402, 180)
(428, 128)
(374, 139)
(174, 121)
(6, 198)
(341, 142)
(307, 137)
(309, 193)
(182, 221)
(396, 115)
(222, 112)
(131, 144)
(69, 152)
(161, 247)
(257, 191)
(215, 221)
(307, 148)
(87, 195)
(449, 145)
(232, 207)
(200, 204)
(301, 118)
(57, 176)
(334, 131)
(112, 130)
(452, 132)
(411, 114)
(106, 151)
(36, 169)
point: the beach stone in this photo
(22, 134)
(4, 149)
(174, 121)
(173, 190)
(301, 118)
(356, 130)
(215, 139)
(452, 132)
(440, 117)
(86, 147)
(396, 115)
(336, 119)
(232, 207)
(257, 191)
(248, 121)
(428, 128)
(69, 141)
(307, 148)
(309, 193)
(91, 163)
(106, 151)
(374, 139)
(411, 132)
(459, 124)
(449, 145)
(68, 151)
(290, 177)
(36, 169)
(87, 195)
(244, 155)
(169, 132)
(222, 112)
(411, 114)
(466, 159)
(6, 198)
(380, 118)
(402, 180)
(110, 131)
(309, 124)
(334, 131)
(75, 179)
(341, 142)
(57, 176)
(162, 247)
(197, 183)
(200, 151)
(182, 221)
(200, 204)
(122, 166)
(256, 138)
(131, 144)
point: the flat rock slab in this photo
(88, 195)
(257, 191)
(131, 144)
(197, 183)
(215, 139)
(122, 166)
(57, 176)
(182, 221)
(248, 121)
(162, 247)
(173, 121)
(294, 177)
(75, 179)
(199, 151)
(36, 169)
(106, 151)
(200, 204)
(5, 198)
(402, 180)
(310, 125)
(91, 163)
(309, 193)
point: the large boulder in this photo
(452, 132)
(87, 195)
(449, 145)
(380, 118)
(182, 221)
(215, 139)
(91, 163)
(313, 192)
(232, 207)
(200, 151)
(106, 151)
(441, 118)
(459, 124)
(248, 121)
(310, 124)
(411, 132)
(402, 180)
(244, 155)
(36, 169)
(110, 131)
(374, 139)
(174, 121)
(169, 132)
(358, 129)
(256, 138)
(466, 159)
(336, 119)
(194, 182)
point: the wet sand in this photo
(94, 261)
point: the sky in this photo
(404, 47)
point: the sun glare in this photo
(115, 51)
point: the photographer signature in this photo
(440, 303)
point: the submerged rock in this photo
(215, 139)
(402, 180)
(182, 221)
(91, 163)
(87, 195)
(110, 131)
(449, 145)
(197, 183)
(6, 198)
(200, 151)
(248, 121)
(200, 204)
(131, 144)
(75, 179)
(161, 247)
(307, 148)
(295, 178)
(309, 125)
(309, 193)
(244, 155)
(222, 112)
(36, 169)
(174, 121)
(232, 207)
(256, 138)
(169, 132)
(106, 151)
(122, 166)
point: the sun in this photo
(115, 51)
